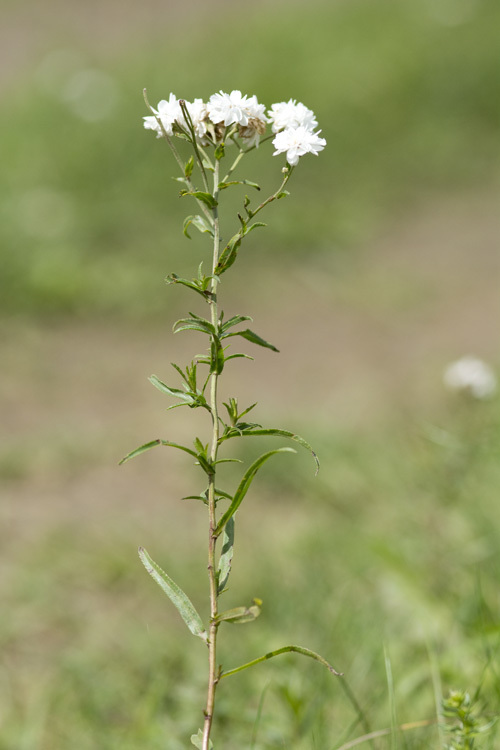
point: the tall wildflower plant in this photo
(219, 134)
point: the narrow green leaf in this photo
(272, 432)
(234, 321)
(224, 185)
(228, 255)
(199, 222)
(244, 486)
(236, 356)
(194, 324)
(253, 338)
(217, 356)
(206, 198)
(176, 595)
(283, 194)
(284, 650)
(226, 556)
(188, 398)
(240, 615)
(219, 152)
(255, 225)
(153, 444)
(188, 167)
(141, 449)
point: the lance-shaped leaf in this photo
(176, 595)
(206, 198)
(253, 337)
(153, 444)
(226, 556)
(239, 431)
(240, 615)
(197, 741)
(284, 650)
(234, 321)
(194, 285)
(200, 222)
(224, 185)
(194, 324)
(244, 486)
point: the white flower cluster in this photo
(471, 375)
(292, 122)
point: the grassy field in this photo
(387, 562)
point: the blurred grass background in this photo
(380, 267)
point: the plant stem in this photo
(212, 539)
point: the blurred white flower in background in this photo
(471, 375)
(91, 94)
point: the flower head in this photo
(235, 109)
(291, 114)
(168, 112)
(471, 375)
(297, 142)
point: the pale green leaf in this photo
(176, 595)
(197, 741)
(226, 556)
(240, 615)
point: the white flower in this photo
(291, 115)
(234, 108)
(168, 112)
(471, 375)
(297, 142)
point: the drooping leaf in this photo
(271, 432)
(253, 338)
(206, 198)
(284, 650)
(244, 486)
(176, 595)
(240, 615)
(175, 392)
(194, 324)
(226, 556)
(153, 444)
(200, 222)
(224, 185)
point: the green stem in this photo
(274, 196)
(190, 125)
(213, 677)
(176, 155)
